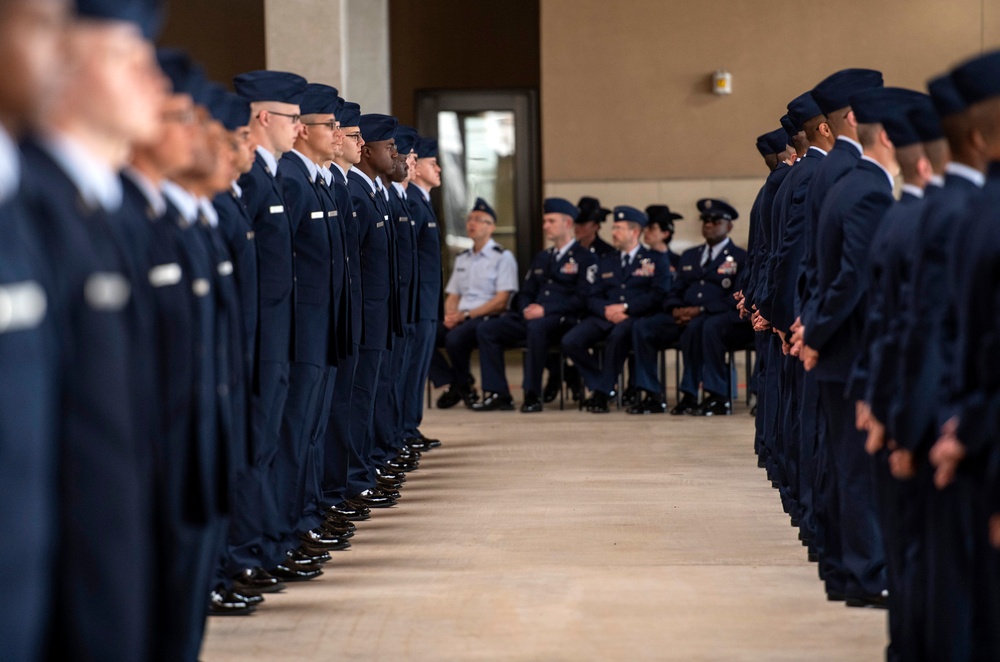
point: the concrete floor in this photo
(567, 536)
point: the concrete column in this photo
(344, 43)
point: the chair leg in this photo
(733, 386)
(562, 380)
(677, 375)
(662, 357)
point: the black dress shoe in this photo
(319, 539)
(687, 405)
(375, 499)
(494, 402)
(753, 410)
(432, 443)
(868, 601)
(532, 404)
(713, 405)
(336, 531)
(349, 513)
(405, 467)
(257, 579)
(305, 556)
(386, 484)
(551, 391)
(252, 598)
(291, 572)
(598, 403)
(407, 457)
(652, 404)
(450, 398)
(224, 603)
(630, 397)
(340, 526)
(398, 476)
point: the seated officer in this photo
(660, 231)
(550, 302)
(484, 278)
(628, 283)
(588, 225)
(701, 304)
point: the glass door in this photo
(488, 148)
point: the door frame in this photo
(523, 102)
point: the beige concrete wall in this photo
(625, 91)
(344, 43)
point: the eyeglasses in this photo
(332, 124)
(294, 118)
(356, 137)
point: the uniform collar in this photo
(207, 209)
(365, 178)
(327, 175)
(854, 143)
(936, 180)
(186, 203)
(423, 191)
(966, 172)
(888, 175)
(381, 187)
(343, 173)
(10, 166)
(489, 244)
(237, 190)
(400, 189)
(718, 248)
(821, 151)
(913, 190)
(631, 254)
(98, 184)
(272, 163)
(561, 252)
(310, 166)
(153, 195)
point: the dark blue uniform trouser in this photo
(386, 427)
(810, 458)
(617, 341)
(193, 551)
(256, 528)
(415, 376)
(458, 343)
(311, 471)
(306, 390)
(508, 330)
(338, 447)
(791, 433)
(650, 335)
(862, 553)
(719, 333)
(361, 468)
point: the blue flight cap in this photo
(561, 206)
(978, 79)
(147, 14)
(350, 114)
(376, 127)
(803, 108)
(897, 124)
(406, 138)
(319, 99)
(186, 76)
(631, 215)
(878, 104)
(789, 129)
(232, 110)
(944, 94)
(591, 210)
(427, 148)
(339, 109)
(777, 140)
(762, 146)
(279, 86)
(834, 92)
(210, 95)
(712, 208)
(925, 120)
(662, 216)
(483, 206)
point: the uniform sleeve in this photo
(507, 280)
(452, 286)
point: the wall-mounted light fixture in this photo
(722, 82)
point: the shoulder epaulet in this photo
(466, 251)
(498, 248)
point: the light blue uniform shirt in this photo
(478, 277)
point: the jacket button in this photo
(702, 282)
(621, 298)
(546, 293)
(699, 295)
